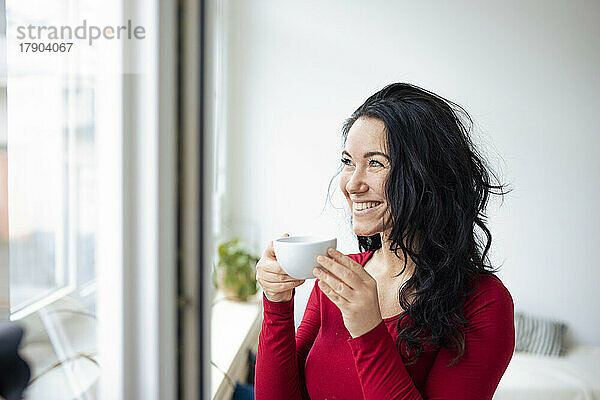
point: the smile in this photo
(364, 207)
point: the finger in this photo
(272, 277)
(279, 287)
(272, 266)
(347, 261)
(334, 283)
(340, 271)
(270, 251)
(336, 298)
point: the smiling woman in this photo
(417, 188)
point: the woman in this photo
(418, 314)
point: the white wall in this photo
(527, 71)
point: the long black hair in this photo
(437, 192)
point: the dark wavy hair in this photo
(437, 192)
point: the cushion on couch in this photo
(539, 335)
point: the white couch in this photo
(574, 376)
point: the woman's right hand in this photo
(277, 285)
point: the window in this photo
(88, 201)
(50, 155)
(51, 104)
(51, 161)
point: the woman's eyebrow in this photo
(369, 154)
(375, 153)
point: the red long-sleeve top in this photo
(322, 361)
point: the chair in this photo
(14, 371)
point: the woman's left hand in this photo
(351, 289)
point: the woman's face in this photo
(362, 180)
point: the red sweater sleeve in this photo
(489, 345)
(281, 356)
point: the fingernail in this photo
(316, 271)
(330, 251)
(320, 258)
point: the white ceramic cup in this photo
(297, 255)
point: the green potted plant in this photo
(234, 273)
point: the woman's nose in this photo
(357, 183)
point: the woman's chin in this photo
(366, 232)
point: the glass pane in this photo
(51, 161)
(49, 176)
(37, 186)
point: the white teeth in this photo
(364, 205)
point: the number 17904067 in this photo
(45, 47)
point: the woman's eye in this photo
(375, 163)
(346, 161)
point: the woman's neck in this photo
(387, 264)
